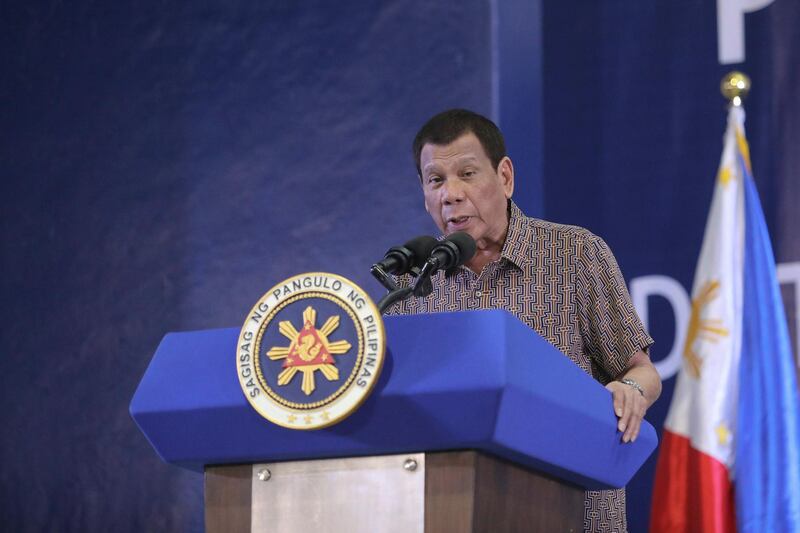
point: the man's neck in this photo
(486, 253)
(481, 259)
(489, 251)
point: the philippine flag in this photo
(730, 452)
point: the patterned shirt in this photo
(563, 282)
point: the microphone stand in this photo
(394, 296)
(421, 287)
(424, 286)
(381, 275)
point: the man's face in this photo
(464, 192)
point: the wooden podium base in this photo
(463, 492)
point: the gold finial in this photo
(735, 86)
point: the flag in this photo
(730, 451)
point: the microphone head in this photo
(421, 248)
(453, 251)
(401, 260)
(466, 247)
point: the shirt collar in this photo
(515, 247)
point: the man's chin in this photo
(470, 231)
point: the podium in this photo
(476, 424)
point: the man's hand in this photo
(630, 405)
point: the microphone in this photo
(455, 250)
(401, 259)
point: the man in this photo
(561, 280)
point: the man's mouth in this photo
(457, 223)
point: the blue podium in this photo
(499, 428)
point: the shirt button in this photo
(478, 294)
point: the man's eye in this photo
(434, 179)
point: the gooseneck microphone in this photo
(455, 250)
(400, 260)
(422, 257)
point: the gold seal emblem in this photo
(301, 375)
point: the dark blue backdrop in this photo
(165, 163)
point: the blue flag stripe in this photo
(767, 468)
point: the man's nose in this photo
(453, 191)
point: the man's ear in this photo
(505, 170)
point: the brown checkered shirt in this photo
(563, 282)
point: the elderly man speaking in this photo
(560, 280)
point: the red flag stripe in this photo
(692, 492)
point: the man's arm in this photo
(629, 404)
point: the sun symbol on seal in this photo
(309, 350)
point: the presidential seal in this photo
(310, 351)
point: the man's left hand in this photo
(629, 406)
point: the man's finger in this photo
(635, 420)
(619, 402)
(639, 418)
(632, 415)
(625, 415)
(633, 427)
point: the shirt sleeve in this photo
(611, 328)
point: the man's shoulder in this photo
(546, 229)
(530, 237)
(556, 227)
